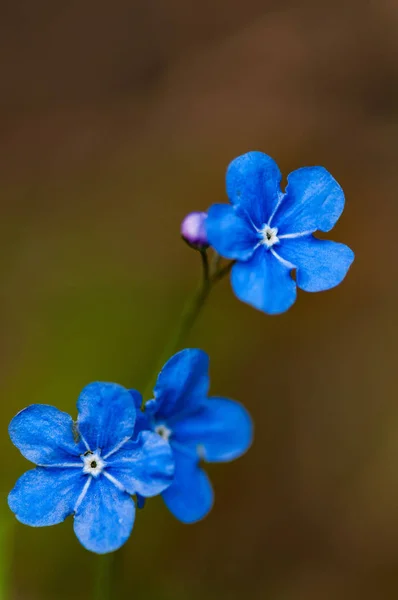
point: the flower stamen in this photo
(269, 236)
(163, 431)
(93, 464)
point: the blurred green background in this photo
(116, 120)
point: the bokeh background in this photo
(116, 120)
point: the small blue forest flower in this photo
(89, 469)
(193, 230)
(270, 233)
(197, 427)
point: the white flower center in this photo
(93, 464)
(163, 431)
(269, 236)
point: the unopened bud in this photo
(193, 230)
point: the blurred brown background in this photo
(117, 119)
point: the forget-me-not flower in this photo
(197, 427)
(90, 468)
(270, 233)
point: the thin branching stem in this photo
(211, 274)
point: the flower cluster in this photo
(117, 454)
(91, 468)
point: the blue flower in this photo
(198, 428)
(269, 233)
(89, 469)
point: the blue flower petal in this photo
(105, 517)
(253, 184)
(46, 496)
(145, 466)
(106, 415)
(314, 200)
(182, 384)
(137, 398)
(190, 496)
(220, 431)
(230, 233)
(264, 282)
(44, 435)
(321, 264)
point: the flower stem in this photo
(103, 577)
(211, 274)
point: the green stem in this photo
(211, 274)
(103, 577)
(220, 273)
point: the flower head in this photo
(89, 469)
(193, 230)
(198, 428)
(270, 233)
